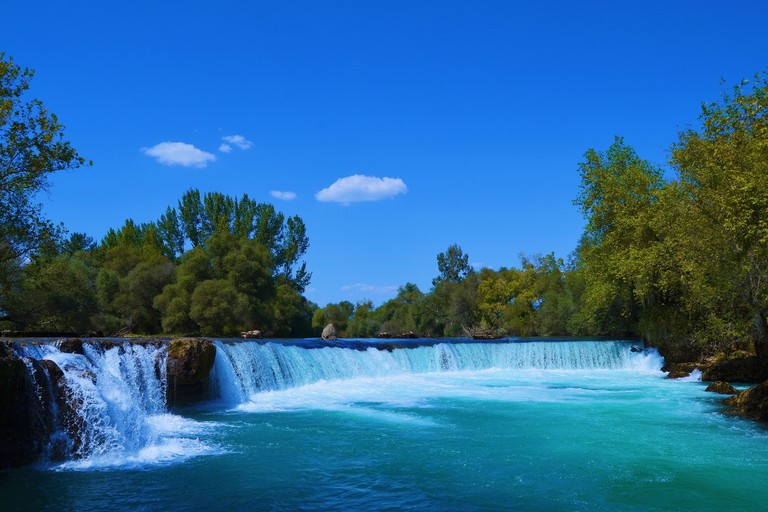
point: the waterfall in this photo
(113, 396)
(245, 368)
(105, 404)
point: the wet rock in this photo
(721, 387)
(71, 345)
(408, 335)
(385, 335)
(741, 369)
(752, 402)
(22, 420)
(329, 332)
(678, 370)
(255, 334)
(189, 367)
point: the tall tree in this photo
(32, 147)
(723, 170)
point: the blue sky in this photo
(457, 122)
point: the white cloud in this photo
(225, 148)
(237, 140)
(369, 288)
(179, 153)
(285, 196)
(357, 188)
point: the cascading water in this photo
(245, 368)
(115, 402)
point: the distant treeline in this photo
(677, 258)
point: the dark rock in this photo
(329, 332)
(251, 334)
(752, 402)
(189, 366)
(71, 345)
(678, 370)
(408, 335)
(384, 335)
(22, 420)
(93, 334)
(741, 369)
(721, 387)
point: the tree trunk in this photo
(760, 336)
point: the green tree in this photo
(32, 147)
(723, 173)
(453, 265)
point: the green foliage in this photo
(32, 147)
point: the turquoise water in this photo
(585, 426)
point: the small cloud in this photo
(179, 153)
(358, 188)
(285, 196)
(369, 288)
(236, 140)
(225, 148)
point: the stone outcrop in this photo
(679, 370)
(190, 361)
(251, 334)
(329, 332)
(752, 402)
(32, 407)
(722, 388)
(741, 369)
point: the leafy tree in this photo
(32, 147)
(723, 172)
(453, 265)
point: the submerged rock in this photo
(329, 332)
(721, 387)
(752, 402)
(189, 365)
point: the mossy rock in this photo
(189, 365)
(722, 388)
(752, 402)
(741, 369)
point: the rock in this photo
(189, 367)
(721, 387)
(71, 345)
(251, 334)
(741, 369)
(752, 402)
(408, 335)
(678, 370)
(329, 332)
(93, 334)
(23, 433)
(384, 335)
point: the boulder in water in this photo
(189, 366)
(251, 334)
(752, 402)
(678, 370)
(329, 332)
(71, 345)
(721, 387)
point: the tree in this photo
(32, 147)
(723, 172)
(453, 265)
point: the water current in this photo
(411, 425)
